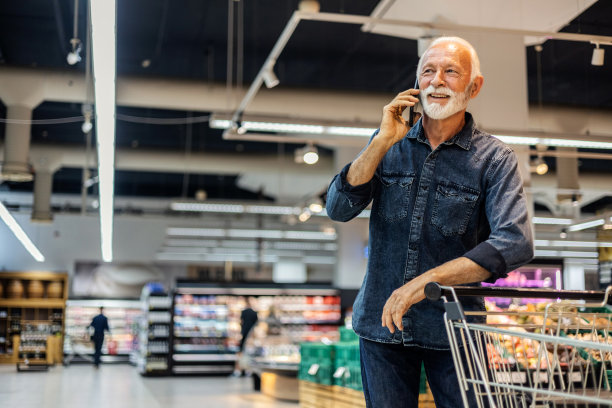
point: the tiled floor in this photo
(120, 386)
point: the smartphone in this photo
(412, 116)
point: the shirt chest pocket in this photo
(453, 207)
(394, 196)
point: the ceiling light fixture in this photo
(539, 166)
(103, 32)
(551, 221)
(586, 224)
(307, 154)
(74, 56)
(598, 56)
(269, 77)
(319, 129)
(316, 207)
(87, 126)
(565, 254)
(304, 215)
(572, 244)
(249, 233)
(10, 222)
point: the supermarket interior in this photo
(167, 164)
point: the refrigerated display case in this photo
(123, 320)
(206, 320)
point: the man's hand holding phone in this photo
(393, 126)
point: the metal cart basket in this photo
(556, 355)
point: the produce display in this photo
(519, 351)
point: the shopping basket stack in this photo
(558, 356)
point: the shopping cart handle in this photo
(435, 291)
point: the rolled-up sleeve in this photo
(344, 201)
(510, 243)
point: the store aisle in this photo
(120, 386)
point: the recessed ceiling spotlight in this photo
(146, 63)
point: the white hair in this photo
(475, 62)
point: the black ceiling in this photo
(188, 39)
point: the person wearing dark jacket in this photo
(100, 325)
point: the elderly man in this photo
(448, 206)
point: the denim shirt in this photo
(465, 198)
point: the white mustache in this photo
(440, 91)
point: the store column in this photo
(503, 103)
(352, 237)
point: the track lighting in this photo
(539, 166)
(308, 154)
(87, 125)
(74, 56)
(304, 215)
(315, 207)
(598, 56)
(270, 78)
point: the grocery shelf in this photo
(204, 357)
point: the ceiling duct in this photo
(15, 166)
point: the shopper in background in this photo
(99, 325)
(248, 318)
(448, 207)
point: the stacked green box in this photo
(321, 355)
(347, 334)
(347, 371)
(423, 384)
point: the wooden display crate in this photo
(347, 397)
(333, 396)
(315, 395)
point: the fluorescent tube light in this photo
(270, 126)
(207, 207)
(350, 131)
(565, 254)
(250, 233)
(20, 233)
(234, 208)
(272, 209)
(283, 127)
(103, 33)
(572, 244)
(551, 220)
(588, 224)
(196, 232)
(584, 144)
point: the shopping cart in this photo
(77, 348)
(557, 355)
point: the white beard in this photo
(457, 102)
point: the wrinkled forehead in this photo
(448, 52)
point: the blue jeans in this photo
(391, 374)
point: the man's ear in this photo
(476, 86)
